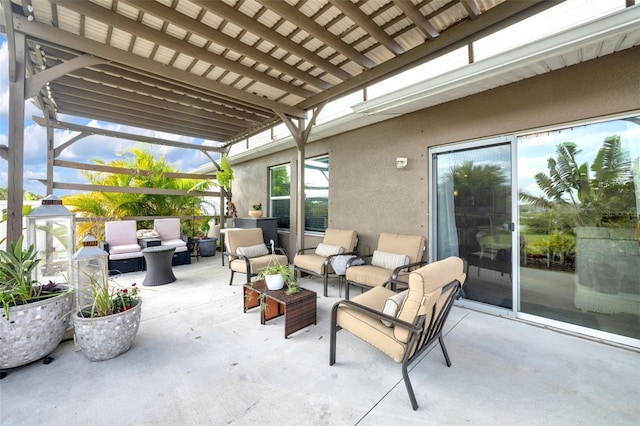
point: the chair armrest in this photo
(280, 250)
(185, 238)
(375, 314)
(396, 272)
(301, 251)
(394, 276)
(105, 246)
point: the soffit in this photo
(220, 70)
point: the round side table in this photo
(159, 270)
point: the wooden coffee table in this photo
(299, 309)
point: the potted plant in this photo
(206, 245)
(277, 275)
(34, 316)
(256, 210)
(107, 327)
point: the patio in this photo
(198, 359)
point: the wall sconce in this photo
(401, 162)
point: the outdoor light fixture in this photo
(401, 162)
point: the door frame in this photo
(515, 253)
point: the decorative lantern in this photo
(90, 263)
(51, 231)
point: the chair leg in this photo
(326, 285)
(231, 280)
(444, 351)
(333, 335)
(346, 289)
(407, 383)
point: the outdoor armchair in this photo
(393, 259)
(402, 325)
(121, 242)
(169, 231)
(248, 254)
(318, 260)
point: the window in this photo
(280, 194)
(316, 191)
(316, 194)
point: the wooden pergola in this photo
(219, 71)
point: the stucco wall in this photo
(367, 193)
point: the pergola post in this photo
(300, 134)
(15, 153)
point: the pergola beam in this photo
(129, 189)
(46, 32)
(121, 135)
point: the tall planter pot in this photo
(103, 338)
(33, 330)
(207, 247)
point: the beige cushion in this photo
(392, 306)
(370, 329)
(311, 262)
(257, 263)
(253, 251)
(369, 275)
(326, 250)
(425, 286)
(389, 260)
(347, 239)
(411, 245)
(242, 238)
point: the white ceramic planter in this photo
(274, 282)
(104, 338)
(33, 330)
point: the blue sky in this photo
(83, 151)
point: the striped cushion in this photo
(326, 250)
(392, 306)
(389, 260)
(253, 251)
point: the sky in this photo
(83, 151)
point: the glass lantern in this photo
(90, 263)
(51, 230)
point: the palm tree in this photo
(120, 204)
(606, 199)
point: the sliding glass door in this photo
(473, 220)
(559, 244)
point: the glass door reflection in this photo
(474, 220)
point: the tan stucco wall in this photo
(367, 193)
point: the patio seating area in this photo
(199, 359)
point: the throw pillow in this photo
(253, 251)
(326, 250)
(389, 260)
(392, 306)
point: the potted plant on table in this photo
(277, 275)
(256, 210)
(107, 327)
(34, 316)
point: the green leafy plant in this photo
(257, 206)
(108, 298)
(205, 227)
(290, 281)
(16, 283)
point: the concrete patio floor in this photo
(199, 360)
